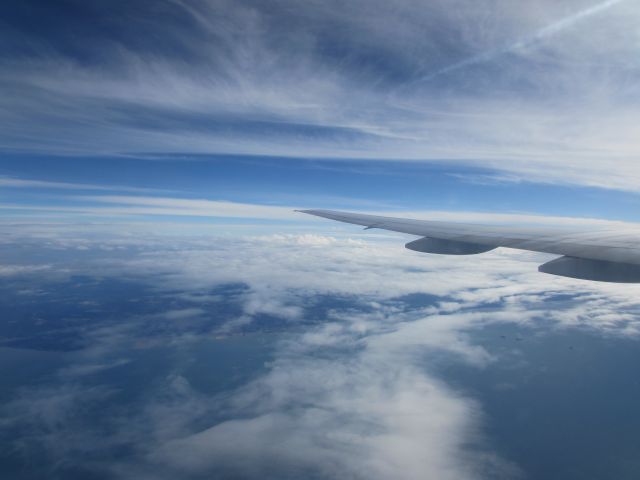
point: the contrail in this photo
(538, 36)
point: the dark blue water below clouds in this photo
(558, 403)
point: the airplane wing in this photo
(604, 255)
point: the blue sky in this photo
(408, 106)
(33, 186)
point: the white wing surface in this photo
(597, 254)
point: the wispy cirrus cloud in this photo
(14, 182)
(122, 208)
(140, 206)
(527, 42)
(228, 77)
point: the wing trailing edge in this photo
(604, 255)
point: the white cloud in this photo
(354, 395)
(180, 206)
(12, 182)
(127, 206)
(562, 108)
(163, 206)
(369, 416)
(11, 270)
(91, 368)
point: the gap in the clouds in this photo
(345, 184)
(560, 403)
(147, 386)
(418, 300)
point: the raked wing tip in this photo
(309, 212)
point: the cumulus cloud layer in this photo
(353, 394)
(540, 89)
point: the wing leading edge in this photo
(599, 255)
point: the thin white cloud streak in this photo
(13, 182)
(13, 270)
(170, 206)
(162, 206)
(541, 35)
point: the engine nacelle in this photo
(447, 247)
(597, 270)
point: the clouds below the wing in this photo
(353, 394)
